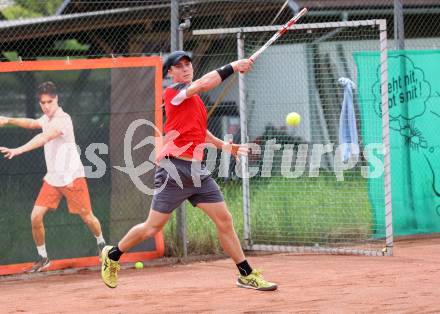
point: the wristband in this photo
(225, 71)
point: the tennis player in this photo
(65, 173)
(181, 175)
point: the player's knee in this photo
(36, 217)
(226, 222)
(88, 218)
(149, 230)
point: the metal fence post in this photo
(181, 211)
(174, 25)
(244, 139)
(177, 44)
(386, 138)
(399, 42)
(399, 34)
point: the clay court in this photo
(405, 283)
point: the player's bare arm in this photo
(20, 122)
(233, 149)
(216, 77)
(36, 142)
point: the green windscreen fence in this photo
(414, 113)
(103, 103)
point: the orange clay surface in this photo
(405, 283)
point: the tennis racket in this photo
(278, 34)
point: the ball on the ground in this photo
(293, 119)
(139, 265)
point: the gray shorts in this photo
(178, 180)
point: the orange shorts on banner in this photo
(76, 194)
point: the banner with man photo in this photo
(114, 105)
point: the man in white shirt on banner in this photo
(65, 173)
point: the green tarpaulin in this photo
(414, 112)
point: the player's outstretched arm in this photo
(20, 122)
(36, 142)
(214, 78)
(234, 149)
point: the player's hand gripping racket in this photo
(278, 34)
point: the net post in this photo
(386, 137)
(244, 139)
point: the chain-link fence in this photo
(93, 29)
(101, 28)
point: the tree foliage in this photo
(31, 8)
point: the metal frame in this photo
(244, 139)
(386, 136)
(381, 24)
(275, 28)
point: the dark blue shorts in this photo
(178, 180)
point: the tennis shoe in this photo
(255, 281)
(41, 265)
(109, 268)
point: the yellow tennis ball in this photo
(139, 265)
(293, 119)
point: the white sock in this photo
(100, 239)
(42, 251)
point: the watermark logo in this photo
(310, 159)
(135, 172)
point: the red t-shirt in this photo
(190, 119)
